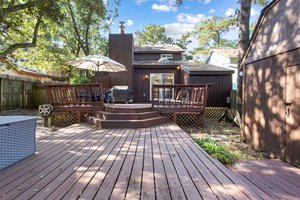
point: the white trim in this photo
(151, 74)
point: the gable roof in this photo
(229, 52)
(257, 26)
(284, 17)
(166, 48)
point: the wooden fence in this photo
(18, 92)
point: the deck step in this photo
(127, 110)
(127, 116)
(142, 123)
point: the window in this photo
(169, 56)
(161, 79)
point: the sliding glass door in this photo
(161, 79)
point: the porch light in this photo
(146, 76)
(178, 67)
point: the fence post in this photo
(23, 94)
(1, 93)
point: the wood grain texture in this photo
(160, 162)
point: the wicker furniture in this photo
(17, 138)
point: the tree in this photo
(243, 43)
(85, 18)
(183, 42)
(152, 35)
(20, 22)
(76, 28)
(244, 38)
(210, 33)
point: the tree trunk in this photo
(244, 21)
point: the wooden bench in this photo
(72, 103)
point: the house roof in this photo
(261, 18)
(190, 67)
(158, 49)
(23, 70)
(229, 52)
(156, 64)
(195, 68)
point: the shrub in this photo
(79, 79)
(216, 149)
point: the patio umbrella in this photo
(97, 63)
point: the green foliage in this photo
(261, 2)
(216, 149)
(152, 35)
(47, 33)
(183, 42)
(79, 79)
(211, 30)
(21, 20)
(252, 27)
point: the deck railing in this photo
(180, 98)
(75, 95)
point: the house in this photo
(271, 117)
(8, 68)
(219, 92)
(18, 85)
(227, 58)
(161, 64)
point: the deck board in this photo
(277, 179)
(73, 174)
(161, 162)
(60, 170)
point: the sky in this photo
(176, 20)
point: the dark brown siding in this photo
(218, 92)
(141, 86)
(268, 84)
(154, 56)
(120, 50)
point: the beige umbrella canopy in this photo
(97, 63)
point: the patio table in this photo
(17, 138)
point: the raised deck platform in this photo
(81, 162)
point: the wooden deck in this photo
(270, 179)
(81, 162)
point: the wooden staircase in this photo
(122, 117)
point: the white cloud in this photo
(140, 1)
(253, 12)
(164, 7)
(175, 30)
(205, 1)
(190, 18)
(212, 11)
(230, 12)
(129, 22)
(109, 21)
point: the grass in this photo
(217, 150)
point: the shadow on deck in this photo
(161, 162)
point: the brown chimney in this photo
(122, 27)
